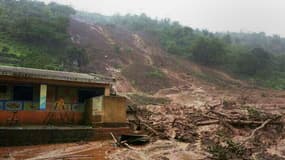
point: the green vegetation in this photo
(208, 51)
(117, 49)
(155, 73)
(33, 34)
(230, 150)
(251, 56)
(253, 113)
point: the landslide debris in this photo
(224, 130)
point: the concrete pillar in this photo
(43, 97)
(107, 91)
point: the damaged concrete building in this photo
(36, 97)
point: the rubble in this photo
(135, 139)
(161, 149)
(211, 132)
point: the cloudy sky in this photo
(215, 15)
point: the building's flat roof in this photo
(22, 72)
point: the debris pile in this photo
(222, 130)
(161, 149)
(171, 121)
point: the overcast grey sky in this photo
(215, 15)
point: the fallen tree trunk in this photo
(150, 129)
(128, 146)
(255, 130)
(236, 122)
(220, 114)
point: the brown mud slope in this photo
(137, 60)
(139, 64)
(208, 115)
(120, 53)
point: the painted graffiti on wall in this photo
(13, 105)
(78, 107)
(1, 105)
(62, 98)
(68, 94)
(43, 97)
(19, 105)
(31, 106)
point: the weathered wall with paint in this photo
(68, 94)
(106, 109)
(40, 117)
(28, 112)
(94, 110)
(114, 109)
(43, 96)
(8, 103)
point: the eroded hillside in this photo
(137, 58)
(167, 89)
(140, 65)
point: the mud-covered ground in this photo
(83, 151)
(205, 127)
(205, 123)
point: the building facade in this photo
(36, 96)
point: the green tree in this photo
(258, 60)
(209, 51)
(5, 50)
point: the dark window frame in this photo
(3, 89)
(86, 93)
(23, 93)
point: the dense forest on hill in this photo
(252, 56)
(33, 34)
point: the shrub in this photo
(230, 150)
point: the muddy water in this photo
(91, 150)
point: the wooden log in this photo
(150, 129)
(209, 122)
(115, 139)
(221, 114)
(252, 135)
(236, 122)
(128, 146)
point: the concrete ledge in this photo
(32, 136)
(110, 125)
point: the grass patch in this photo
(230, 150)
(117, 49)
(275, 82)
(129, 50)
(210, 78)
(155, 73)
